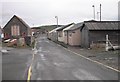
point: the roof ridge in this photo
(65, 26)
(22, 21)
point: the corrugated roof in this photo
(102, 25)
(74, 27)
(63, 27)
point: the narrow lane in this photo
(53, 62)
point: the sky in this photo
(43, 12)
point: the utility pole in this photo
(93, 11)
(57, 20)
(107, 42)
(57, 26)
(100, 12)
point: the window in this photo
(15, 30)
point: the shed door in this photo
(15, 30)
(85, 38)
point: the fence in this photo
(106, 41)
(112, 44)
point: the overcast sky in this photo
(43, 12)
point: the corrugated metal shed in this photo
(63, 27)
(54, 30)
(74, 27)
(102, 25)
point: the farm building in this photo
(61, 33)
(72, 35)
(53, 35)
(93, 32)
(16, 28)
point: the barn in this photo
(93, 32)
(16, 28)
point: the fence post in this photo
(107, 41)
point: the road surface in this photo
(15, 63)
(53, 62)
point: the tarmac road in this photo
(53, 62)
(15, 63)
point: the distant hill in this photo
(47, 27)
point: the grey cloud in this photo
(41, 12)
